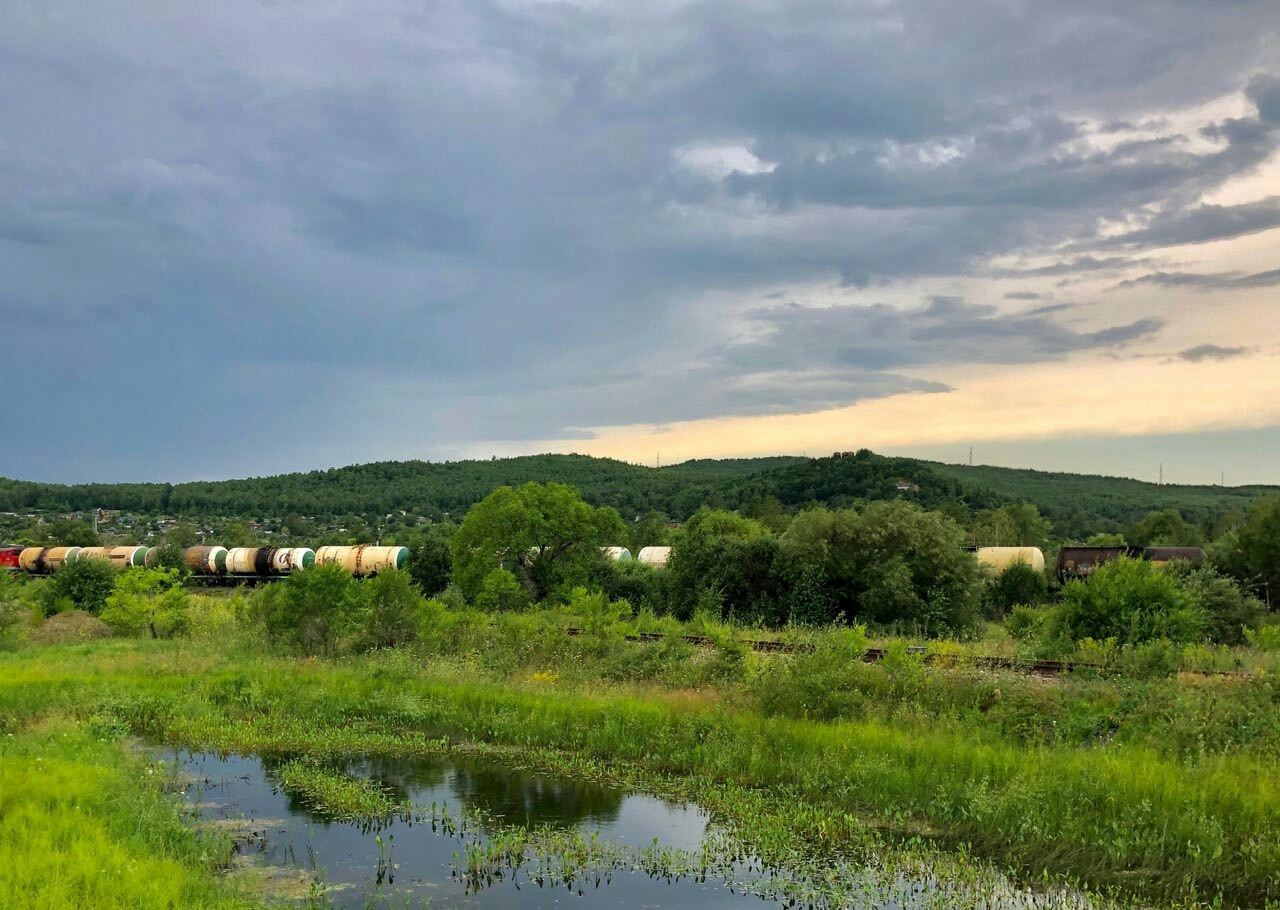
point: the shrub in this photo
(147, 600)
(1131, 601)
(430, 560)
(1025, 623)
(1229, 610)
(891, 563)
(1267, 638)
(1017, 584)
(85, 585)
(824, 683)
(501, 591)
(394, 610)
(309, 612)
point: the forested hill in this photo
(429, 488)
(1078, 504)
(1085, 503)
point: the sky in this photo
(240, 238)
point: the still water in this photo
(418, 864)
(596, 846)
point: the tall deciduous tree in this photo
(541, 533)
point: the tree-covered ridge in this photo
(839, 482)
(1078, 505)
(431, 488)
(1083, 504)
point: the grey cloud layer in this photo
(416, 227)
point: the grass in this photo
(84, 824)
(1175, 824)
(334, 793)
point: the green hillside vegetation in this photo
(1084, 504)
(1078, 506)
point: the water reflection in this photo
(407, 860)
(532, 800)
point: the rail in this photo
(873, 655)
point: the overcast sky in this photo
(240, 238)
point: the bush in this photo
(501, 591)
(148, 600)
(430, 560)
(635, 583)
(1132, 601)
(1229, 610)
(1267, 638)
(892, 563)
(1025, 623)
(85, 585)
(824, 683)
(1017, 584)
(395, 611)
(309, 612)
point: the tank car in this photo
(1000, 558)
(654, 556)
(43, 560)
(617, 554)
(122, 557)
(205, 560)
(268, 561)
(1164, 555)
(364, 559)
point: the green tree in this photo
(1105, 540)
(1017, 525)
(394, 610)
(501, 592)
(1018, 585)
(891, 563)
(237, 534)
(84, 585)
(1131, 601)
(430, 560)
(1165, 528)
(148, 600)
(543, 534)
(309, 612)
(1251, 552)
(650, 531)
(1231, 612)
(66, 532)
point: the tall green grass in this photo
(1209, 825)
(84, 825)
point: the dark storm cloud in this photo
(1211, 352)
(947, 330)
(1220, 281)
(1021, 295)
(400, 229)
(1201, 224)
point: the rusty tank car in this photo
(363, 559)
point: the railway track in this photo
(873, 655)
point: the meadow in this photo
(1155, 789)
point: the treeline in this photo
(1083, 504)
(1076, 506)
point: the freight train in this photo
(1080, 562)
(214, 564)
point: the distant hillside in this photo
(429, 488)
(1080, 504)
(842, 482)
